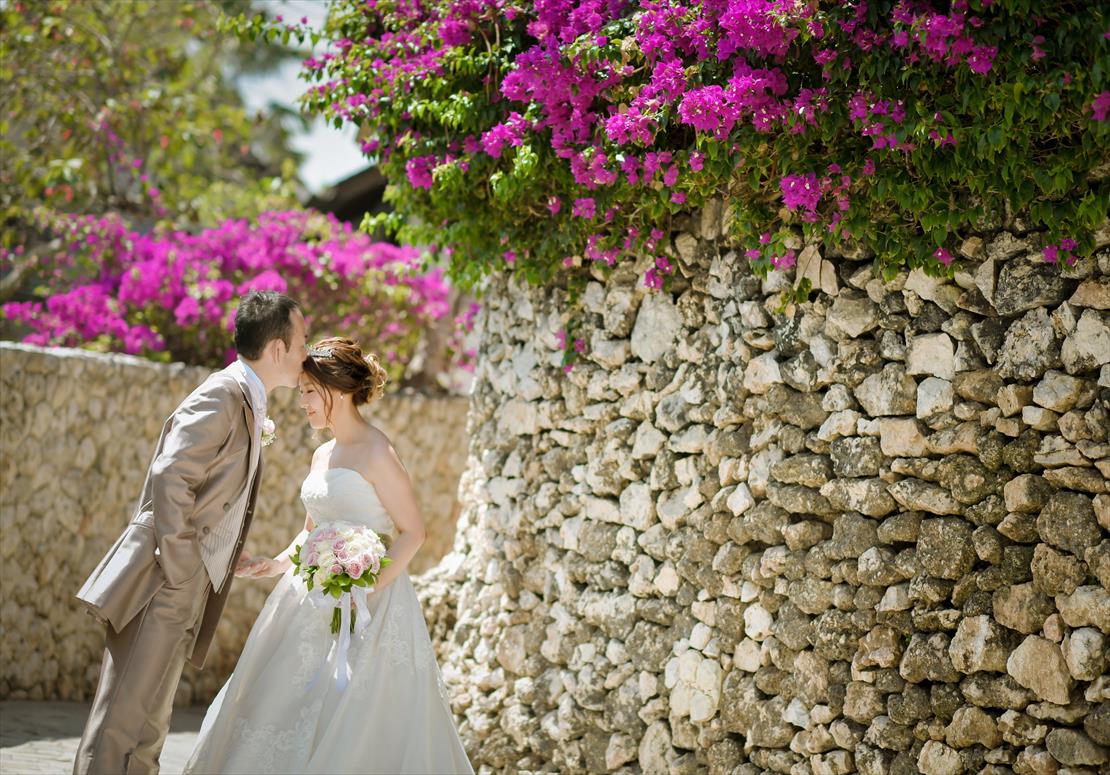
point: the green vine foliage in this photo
(129, 106)
(900, 129)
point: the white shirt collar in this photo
(256, 387)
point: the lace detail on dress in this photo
(406, 647)
(397, 642)
(313, 646)
(266, 746)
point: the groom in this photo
(162, 586)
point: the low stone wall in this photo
(77, 431)
(867, 533)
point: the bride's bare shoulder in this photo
(383, 467)
(376, 443)
(376, 451)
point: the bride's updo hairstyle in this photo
(339, 364)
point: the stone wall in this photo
(866, 533)
(77, 431)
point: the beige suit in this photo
(152, 588)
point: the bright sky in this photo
(330, 154)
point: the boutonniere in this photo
(268, 432)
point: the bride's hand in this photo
(245, 561)
(264, 567)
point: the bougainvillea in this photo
(172, 295)
(567, 131)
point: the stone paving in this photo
(40, 738)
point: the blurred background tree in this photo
(130, 106)
(143, 189)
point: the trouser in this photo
(142, 667)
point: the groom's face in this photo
(289, 361)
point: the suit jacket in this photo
(199, 470)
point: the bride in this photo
(282, 710)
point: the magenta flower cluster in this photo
(801, 192)
(173, 294)
(942, 37)
(1061, 252)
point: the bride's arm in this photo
(394, 487)
(297, 541)
(264, 567)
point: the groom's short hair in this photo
(262, 317)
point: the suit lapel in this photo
(236, 372)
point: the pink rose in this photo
(342, 555)
(366, 559)
(354, 570)
(336, 570)
(339, 544)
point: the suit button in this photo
(205, 530)
(227, 506)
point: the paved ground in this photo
(40, 738)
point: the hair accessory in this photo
(320, 352)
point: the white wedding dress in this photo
(272, 717)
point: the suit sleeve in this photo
(200, 426)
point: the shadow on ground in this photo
(40, 738)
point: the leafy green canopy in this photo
(545, 136)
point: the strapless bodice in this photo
(343, 495)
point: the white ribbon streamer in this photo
(362, 621)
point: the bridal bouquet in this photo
(341, 561)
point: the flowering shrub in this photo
(130, 107)
(172, 295)
(553, 133)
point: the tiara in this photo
(320, 352)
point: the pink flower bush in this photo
(172, 295)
